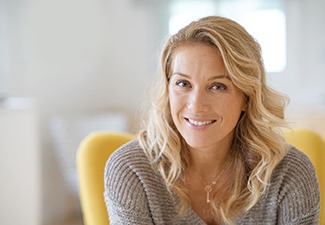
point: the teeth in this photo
(199, 123)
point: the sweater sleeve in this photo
(124, 193)
(299, 196)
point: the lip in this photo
(199, 122)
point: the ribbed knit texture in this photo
(136, 194)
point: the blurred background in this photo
(69, 67)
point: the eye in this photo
(218, 86)
(183, 83)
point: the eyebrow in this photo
(211, 78)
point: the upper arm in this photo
(125, 196)
(300, 195)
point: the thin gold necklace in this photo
(208, 187)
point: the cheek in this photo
(175, 103)
(231, 108)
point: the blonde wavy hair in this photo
(258, 144)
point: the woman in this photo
(212, 151)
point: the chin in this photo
(197, 144)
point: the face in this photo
(205, 104)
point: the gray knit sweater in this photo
(136, 194)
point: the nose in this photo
(198, 101)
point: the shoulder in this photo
(134, 190)
(295, 188)
(125, 180)
(128, 154)
(125, 170)
(129, 158)
(296, 171)
(295, 165)
(293, 193)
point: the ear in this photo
(244, 108)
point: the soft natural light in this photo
(266, 24)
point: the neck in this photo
(207, 163)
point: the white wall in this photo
(76, 56)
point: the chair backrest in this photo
(92, 155)
(313, 145)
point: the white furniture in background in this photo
(20, 183)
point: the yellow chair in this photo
(92, 155)
(313, 145)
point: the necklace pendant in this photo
(208, 189)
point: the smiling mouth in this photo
(200, 123)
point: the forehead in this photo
(195, 59)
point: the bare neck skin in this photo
(209, 162)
